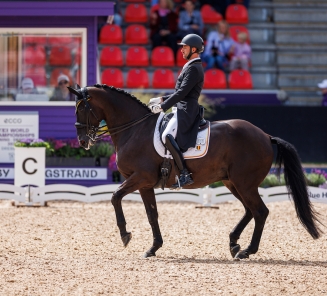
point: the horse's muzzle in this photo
(85, 142)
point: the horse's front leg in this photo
(150, 204)
(128, 186)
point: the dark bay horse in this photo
(240, 154)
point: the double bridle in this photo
(97, 132)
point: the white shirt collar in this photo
(190, 61)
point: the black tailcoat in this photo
(187, 91)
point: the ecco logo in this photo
(12, 120)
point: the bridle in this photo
(97, 132)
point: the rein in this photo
(96, 133)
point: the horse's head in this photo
(87, 117)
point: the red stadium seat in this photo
(180, 61)
(136, 13)
(162, 56)
(137, 56)
(59, 41)
(113, 76)
(163, 78)
(34, 40)
(136, 34)
(137, 1)
(111, 34)
(58, 71)
(38, 75)
(215, 78)
(237, 14)
(240, 79)
(210, 15)
(137, 78)
(60, 56)
(34, 55)
(111, 56)
(234, 30)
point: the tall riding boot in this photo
(185, 177)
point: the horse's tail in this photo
(296, 185)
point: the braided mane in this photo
(119, 90)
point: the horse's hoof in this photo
(149, 254)
(242, 255)
(126, 239)
(234, 250)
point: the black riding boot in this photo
(185, 177)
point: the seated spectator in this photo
(190, 20)
(219, 47)
(241, 54)
(163, 25)
(27, 87)
(111, 19)
(61, 92)
(323, 86)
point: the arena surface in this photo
(71, 248)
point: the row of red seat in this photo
(59, 56)
(39, 75)
(138, 56)
(235, 14)
(164, 78)
(137, 34)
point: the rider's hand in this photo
(155, 101)
(156, 108)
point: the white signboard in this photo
(15, 126)
(63, 173)
(30, 166)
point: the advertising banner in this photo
(15, 126)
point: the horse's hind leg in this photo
(254, 203)
(234, 236)
(150, 204)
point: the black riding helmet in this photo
(193, 40)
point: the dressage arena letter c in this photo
(24, 166)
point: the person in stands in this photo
(190, 20)
(219, 47)
(27, 86)
(61, 92)
(163, 25)
(241, 54)
(186, 117)
(323, 87)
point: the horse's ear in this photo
(78, 87)
(75, 92)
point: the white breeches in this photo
(171, 126)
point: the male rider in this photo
(184, 124)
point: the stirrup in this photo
(183, 180)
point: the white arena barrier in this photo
(205, 196)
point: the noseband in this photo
(96, 132)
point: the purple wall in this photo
(59, 15)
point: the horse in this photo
(240, 155)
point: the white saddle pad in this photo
(200, 150)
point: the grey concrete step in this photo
(299, 37)
(300, 15)
(302, 58)
(261, 35)
(263, 58)
(307, 81)
(301, 47)
(307, 69)
(260, 14)
(264, 81)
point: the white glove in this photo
(156, 108)
(154, 101)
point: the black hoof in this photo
(234, 250)
(149, 254)
(126, 239)
(242, 255)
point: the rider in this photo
(185, 122)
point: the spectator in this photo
(111, 19)
(27, 86)
(163, 25)
(219, 47)
(242, 53)
(323, 86)
(61, 92)
(190, 20)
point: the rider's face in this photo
(185, 51)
